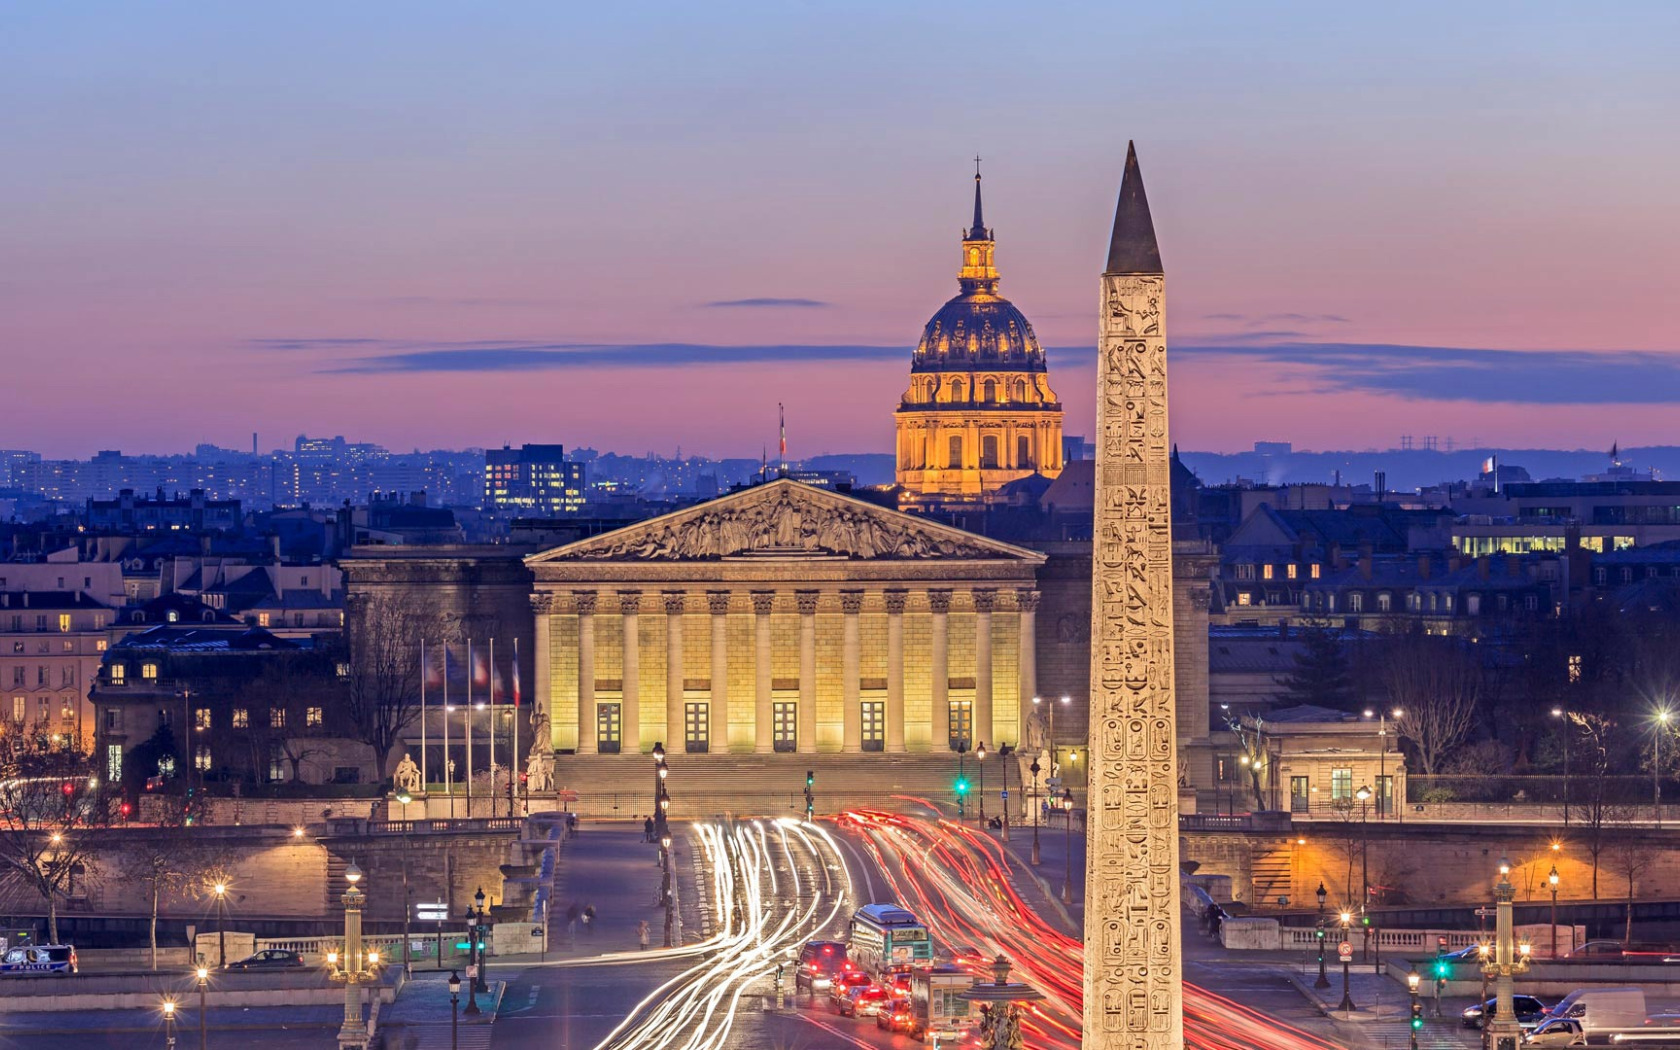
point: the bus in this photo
(886, 939)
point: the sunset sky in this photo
(635, 226)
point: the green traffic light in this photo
(1417, 1022)
(962, 787)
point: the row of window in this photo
(1417, 602)
(1290, 571)
(64, 623)
(66, 646)
(43, 709)
(241, 717)
(43, 676)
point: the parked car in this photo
(896, 1016)
(1529, 1010)
(57, 960)
(866, 1001)
(269, 959)
(841, 988)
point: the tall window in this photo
(696, 727)
(608, 729)
(148, 671)
(955, 460)
(113, 763)
(64, 623)
(989, 451)
(1356, 602)
(20, 709)
(119, 674)
(277, 718)
(874, 715)
(1341, 784)
(784, 724)
(241, 718)
(961, 724)
(201, 758)
(990, 389)
(312, 716)
(1023, 452)
(201, 718)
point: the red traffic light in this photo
(127, 809)
(69, 788)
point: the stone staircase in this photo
(1272, 875)
(702, 785)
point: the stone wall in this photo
(446, 866)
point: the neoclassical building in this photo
(979, 412)
(784, 618)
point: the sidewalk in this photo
(420, 1019)
(609, 865)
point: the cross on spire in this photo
(978, 231)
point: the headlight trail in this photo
(958, 881)
(764, 908)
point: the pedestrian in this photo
(588, 917)
(571, 825)
(647, 830)
(642, 934)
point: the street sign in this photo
(431, 911)
(1345, 949)
(1053, 784)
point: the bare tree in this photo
(384, 634)
(165, 861)
(49, 801)
(1250, 732)
(1630, 859)
(1599, 739)
(1437, 685)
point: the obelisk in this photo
(1133, 968)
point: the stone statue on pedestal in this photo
(406, 779)
(539, 772)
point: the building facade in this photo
(784, 618)
(532, 481)
(979, 412)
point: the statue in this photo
(407, 777)
(539, 772)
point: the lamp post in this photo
(1034, 770)
(1483, 951)
(1412, 980)
(357, 967)
(1552, 880)
(1050, 729)
(1559, 712)
(1364, 797)
(1347, 996)
(479, 982)
(660, 802)
(408, 963)
(665, 885)
(202, 974)
(1385, 795)
(1067, 828)
(454, 1010)
(169, 1023)
(962, 778)
(1005, 753)
(980, 763)
(221, 923)
(1323, 981)
(1509, 959)
(1656, 765)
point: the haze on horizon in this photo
(438, 227)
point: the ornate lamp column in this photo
(1509, 959)
(355, 967)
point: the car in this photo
(269, 959)
(865, 1001)
(842, 985)
(1529, 1010)
(819, 961)
(56, 960)
(896, 1016)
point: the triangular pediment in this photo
(786, 519)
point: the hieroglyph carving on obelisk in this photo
(1133, 967)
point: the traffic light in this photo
(810, 778)
(1417, 1014)
(1320, 933)
(69, 789)
(1443, 969)
(962, 787)
(810, 796)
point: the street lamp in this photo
(661, 802)
(221, 923)
(1067, 839)
(1412, 980)
(1552, 880)
(665, 885)
(1385, 794)
(203, 976)
(1323, 981)
(1034, 770)
(454, 1010)
(169, 1023)
(1050, 729)
(1509, 959)
(1347, 996)
(1663, 716)
(357, 966)
(980, 756)
(1005, 752)
(408, 964)
(1558, 712)
(479, 983)
(1364, 797)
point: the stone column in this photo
(940, 667)
(807, 670)
(586, 742)
(895, 671)
(542, 666)
(851, 603)
(763, 716)
(1133, 958)
(984, 603)
(675, 735)
(1026, 659)
(718, 710)
(630, 607)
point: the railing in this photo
(388, 946)
(1582, 791)
(421, 827)
(1266, 821)
(1402, 940)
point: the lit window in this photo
(113, 763)
(1356, 602)
(1266, 572)
(1315, 570)
(1244, 598)
(201, 758)
(1291, 570)
(1385, 602)
(201, 718)
(100, 646)
(173, 616)
(148, 671)
(277, 718)
(241, 718)
(1574, 668)
(344, 670)
(262, 619)
(64, 623)
(20, 709)
(1341, 784)
(312, 716)
(119, 674)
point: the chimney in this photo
(1454, 563)
(274, 546)
(1425, 563)
(1482, 567)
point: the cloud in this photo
(1293, 318)
(1444, 373)
(515, 357)
(768, 301)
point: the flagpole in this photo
(467, 727)
(423, 671)
(448, 763)
(493, 728)
(513, 760)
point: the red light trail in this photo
(968, 901)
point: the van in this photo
(819, 963)
(1602, 1010)
(56, 959)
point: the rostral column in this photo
(1133, 966)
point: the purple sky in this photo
(638, 226)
